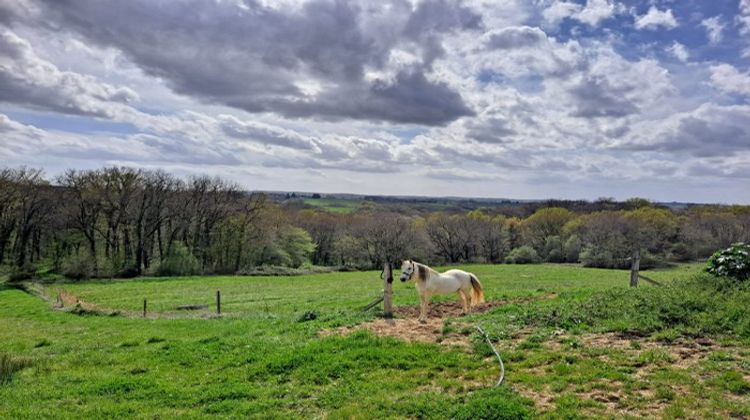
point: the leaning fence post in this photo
(387, 290)
(218, 302)
(635, 265)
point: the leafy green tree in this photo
(544, 223)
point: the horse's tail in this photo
(477, 294)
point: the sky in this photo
(528, 99)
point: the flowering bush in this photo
(731, 262)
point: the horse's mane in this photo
(423, 269)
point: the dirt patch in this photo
(432, 331)
(71, 302)
(455, 309)
(409, 330)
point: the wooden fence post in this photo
(218, 302)
(388, 290)
(144, 307)
(635, 265)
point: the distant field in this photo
(261, 361)
(333, 205)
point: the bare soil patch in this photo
(410, 329)
(454, 308)
(405, 329)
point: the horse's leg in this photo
(423, 308)
(464, 300)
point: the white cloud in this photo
(680, 51)
(27, 79)
(596, 11)
(656, 18)
(743, 17)
(714, 29)
(710, 130)
(592, 14)
(728, 79)
(559, 10)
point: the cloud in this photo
(595, 97)
(743, 16)
(596, 11)
(559, 10)
(349, 93)
(709, 130)
(656, 18)
(460, 175)
(514, 37)
(679, 51)
(28, 80)
(714, 29)
(593, 13)
(264, 133)
(493, 130)
(728, 79)
(410, 98)
(252, 57)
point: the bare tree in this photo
(82, 191)
(32, 209)
(388, 237)
(451, 235)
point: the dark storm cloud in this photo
(259, 59)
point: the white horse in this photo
(429, 282)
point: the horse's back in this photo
(458, 273)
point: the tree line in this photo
(125, 222)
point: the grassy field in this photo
(334, 205)
(262, 359)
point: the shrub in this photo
(127, 273)
(733, 262)
(523, 255)
(553, 249)
(179, 262)
(602, 258)
(572, 249)
(680, 252)
(78, 267)
(20, 274)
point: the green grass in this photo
(260, 360)
(333, 205)
(332, 293)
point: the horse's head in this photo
(408, 267)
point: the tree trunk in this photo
(92, 248)
(634, 267)
(21, 245)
